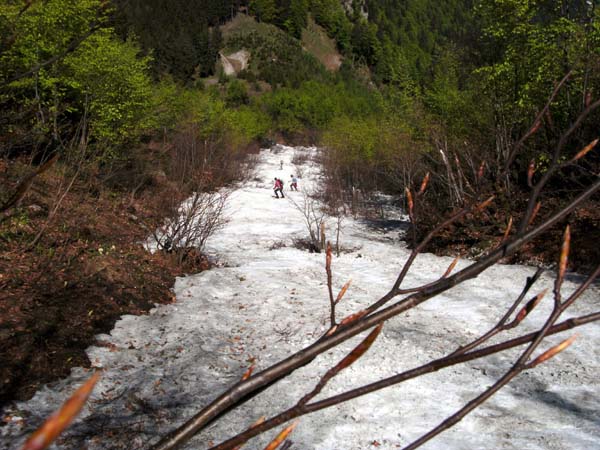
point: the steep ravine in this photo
(269, 299)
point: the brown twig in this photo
(350, 359)
(430, 367)
(242, 391)
(332, 302)
(25, 184)
(537, 122)
(455, 358)
(519, 366)
(417, 250)
(553, 167)
(375, 315)
(502, 323)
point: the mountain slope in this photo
(269, 299)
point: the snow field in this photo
(265, 304)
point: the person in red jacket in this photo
(278, 188)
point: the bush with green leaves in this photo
(236, 93)
(314, 104)
(330, 15)
(62, 68)
(278, 58)
(108, 75)
(530, 46)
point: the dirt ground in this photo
(466, 239)
(87, 270)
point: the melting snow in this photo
(270, 299)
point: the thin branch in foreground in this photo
(452, 359)
(430, 367)
(242, 391)
(56, 424)
(378, 312)
(281, 437)
(332, 302)
(502, 323)
(519, 366)
(255, 424)
(350, 359)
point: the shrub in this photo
(236, 93)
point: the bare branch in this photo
(432, 366)
(554, 166)
(519, 366)
(350, 359)
(332, 302)
(536, 122)
(25, 184)
(242, 391)
(501, 325)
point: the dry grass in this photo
(316, 42)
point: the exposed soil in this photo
(584, 253)
(234, 63)
(321, 46)
(584, 256)
(87, 270)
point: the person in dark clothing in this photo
(278, 188)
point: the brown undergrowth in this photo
(87, 270)
(470, 238)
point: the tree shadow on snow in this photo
(558, 401)
(387, 225)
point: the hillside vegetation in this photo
(122, 107)
(316, 42)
